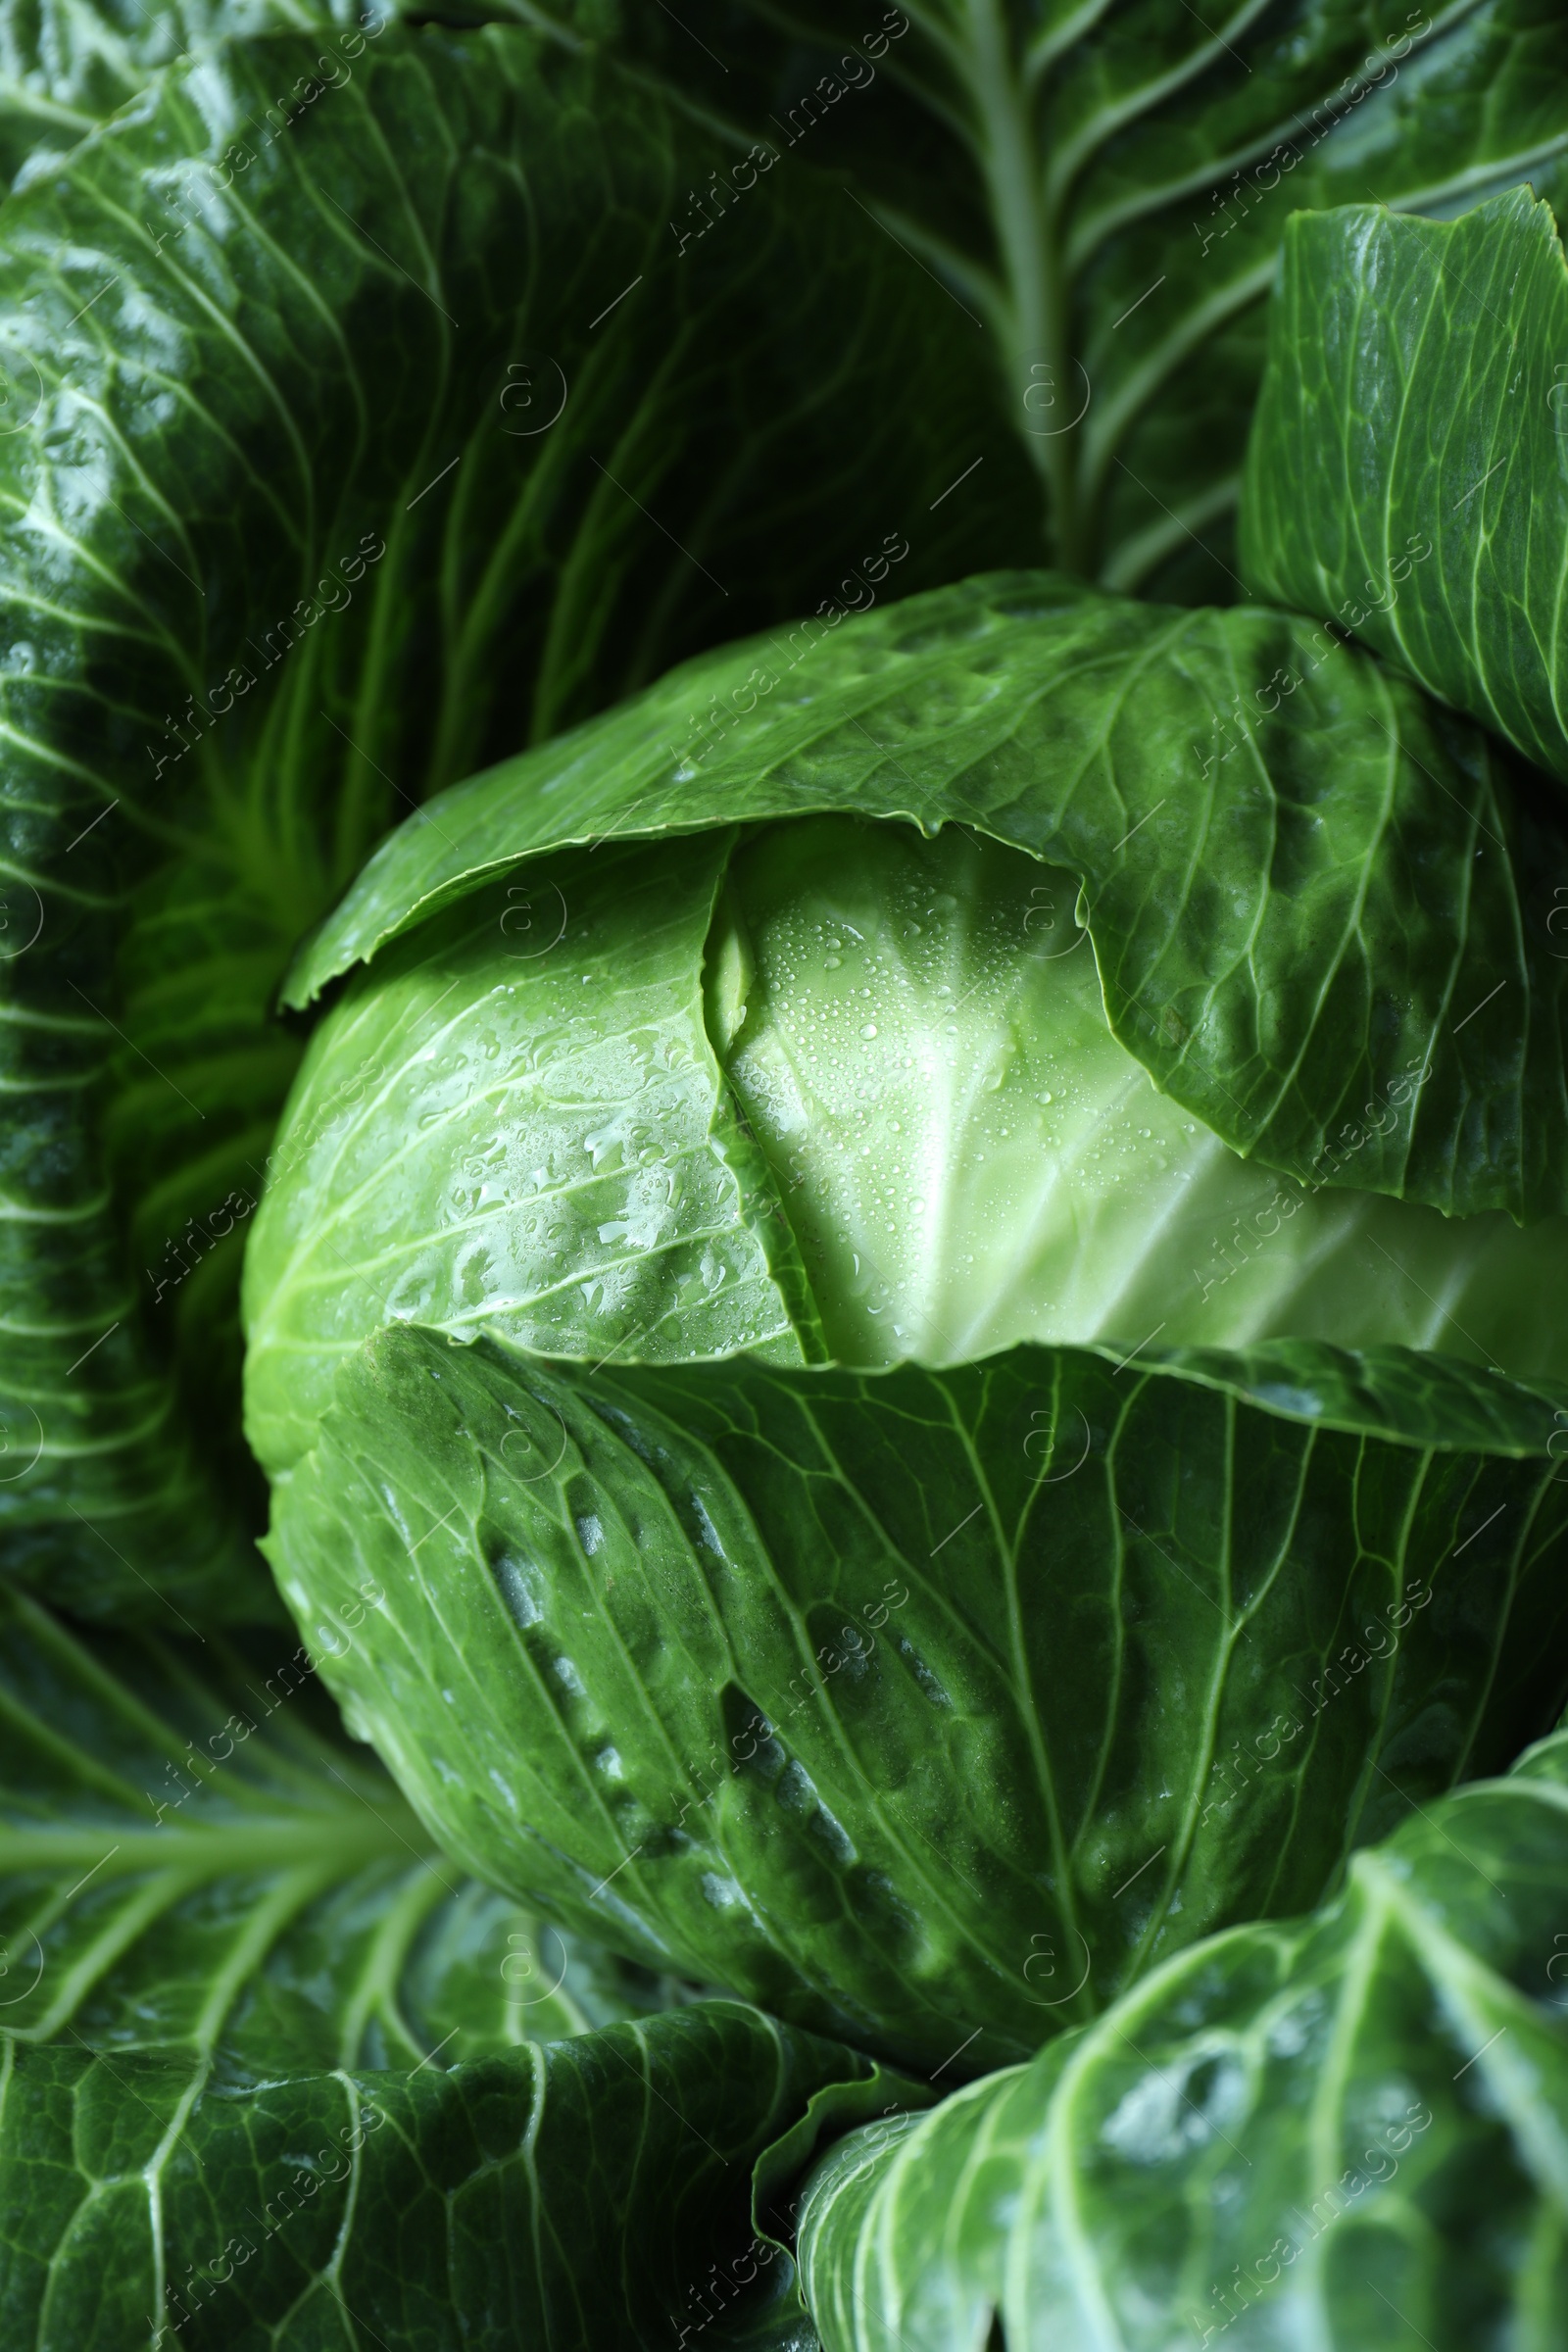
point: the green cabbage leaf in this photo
(1104, 189)
(929, 1709)
(903, 1279)
(1352, 2129)
(1300, 880)
(273, 2070)
(1418, 396)
(325, 477)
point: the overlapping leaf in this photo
(195, 1867)
(1347, 2131)
(1418, 396)
(230, 1957)
(374, 402)
(1298, 877)
(416, 1115)
(1105, 188)
(357, 424)
(928, 1709)
(833, 1088)
(569, 2195)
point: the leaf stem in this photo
(1034, 309)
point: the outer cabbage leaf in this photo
(570, 2196)
(1347, 2131)
(197, 1868)
(1416, 389)
(220, 1933)
(66, 66)
(1104, 186)
(929, 1710)
(348, 440)
(1300, 879)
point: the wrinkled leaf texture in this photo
(195, 1865)
(285, 549)
(230, 1959)
(928, 1709)
(1349, 2131)
(572, 2194)
(66, 66)
(191, 420)
(1293, 890)
(1417, 390)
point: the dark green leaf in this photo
(66, 66)
(196, 1867)
(1104, 189)
(1348, 2131)
(220, 1926)
(928, 1709)
(291, 540)
(572, 2197)
(1408, 474)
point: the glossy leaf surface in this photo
(928, 1709)
(572, 2195)
(230, 1957)
(841, 1089)
(356, 428)
(1300, 879)
(196, 1866)
(1345, 2131)
(67, 66)
(1417, 395)
(554, 1055)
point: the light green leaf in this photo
(929, 1710)
(583, 1078)
(970, 1160)
(539, 1112)
(1105, 187)
(1299, 878)
(1408, 472)
(1345, 2132)
(359, 425)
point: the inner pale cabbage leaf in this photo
(835, 1089)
